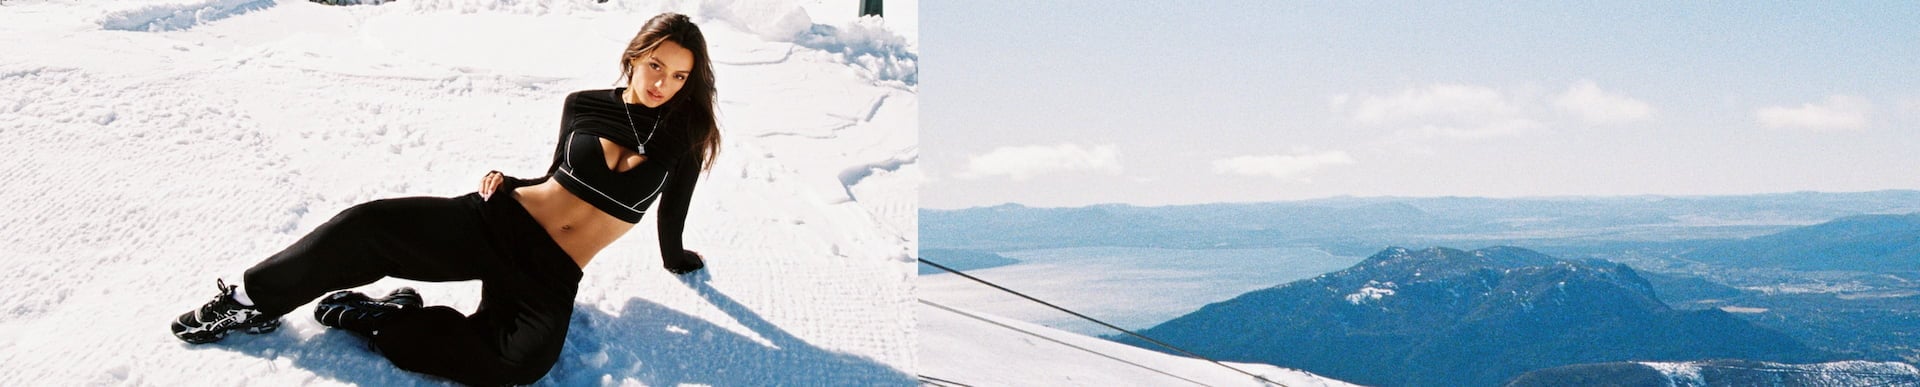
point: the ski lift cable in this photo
(941, 382)
(1056, 341)
(1096, 321)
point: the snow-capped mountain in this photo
(1724, 373)
(1441, 316)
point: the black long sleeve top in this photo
(669, 173)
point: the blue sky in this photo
(1082, 102)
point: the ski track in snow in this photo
(159, 144)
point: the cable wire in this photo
(1097, 321)
(942, 382)
(1056, 341)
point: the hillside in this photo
(1724, 373)
(1877, 243)
(1441, 316)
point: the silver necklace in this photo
(642, 146)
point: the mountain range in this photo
(1359, 226)
(1447, 317)
(1875, 243)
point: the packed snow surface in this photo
(967, 347)
(153, 146)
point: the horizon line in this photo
(1400, 197)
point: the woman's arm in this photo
(493, 179)
(673, 217)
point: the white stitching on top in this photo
(569, 171)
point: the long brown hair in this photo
(698, 95)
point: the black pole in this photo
(869, 7)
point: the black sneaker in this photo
(360, 314)
(405, 297)
(211, 322)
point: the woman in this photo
(526, 240)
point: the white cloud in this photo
(1025, 162)
(1281, 166)
(1504, 127)
(1441, 110)
(1840, 112)
(1585, 100)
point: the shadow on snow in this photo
(649, 342)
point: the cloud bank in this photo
(1585, 100)
(1441, 110)
(1026, 162)
(1839, 112)
(1292, 166)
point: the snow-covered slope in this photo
(1725, 373)
(973, 348)
(1840, 373)
(152, 146)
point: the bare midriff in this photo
(580, 229)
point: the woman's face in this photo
(659, 75)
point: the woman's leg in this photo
(526, 303)
(419, 238)
(501, 344)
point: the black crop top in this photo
(671, 168)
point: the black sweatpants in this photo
(528, 282)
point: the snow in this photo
(1679, 374)
(1132, 287)
(155, 145)
(1371, 293)
(982, 349)
(1838, 373)
(1809, 288)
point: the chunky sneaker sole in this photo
(358, 313)
(211, 322)
(405, 297)
(202, 335)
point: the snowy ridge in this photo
(158, 145)
(174, 17)
(1679, 374)
(1840, 373)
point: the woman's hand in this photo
(491, 182)
(687, 262)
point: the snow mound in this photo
(772, 23)
(868, 44)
